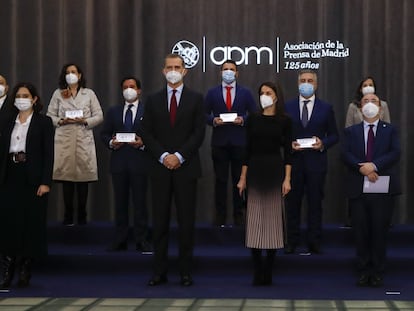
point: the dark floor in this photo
(79, 274)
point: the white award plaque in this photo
(306, 142)
(125, 137)
(228, 117)
(73, 114)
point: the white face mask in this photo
(266, 101)
(370, 110)
(23, 104)
(368, 90)
(228, 76)
(130, 94)
(2, 90)
(71, 78)
(173, 77)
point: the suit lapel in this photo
(361, 140)
(381, 127)
(181, 106)
(315, 111)
(138, 115)
(30, 130)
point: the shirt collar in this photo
(311, 99)
(179, 89)
(233, 84)
(135, 103)
(366, 124)
(29, 118)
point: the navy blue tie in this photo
(128, 119)
(305, 115)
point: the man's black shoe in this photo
(186, 280)
(118, 247)
(363, 280)
(157, 280)
(314, 249)
(145, 247)
(376, 281)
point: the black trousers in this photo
(225, 157)
(371, 216)
(165, 187)
(128, 185)
(311, 184)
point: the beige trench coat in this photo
(75, 152)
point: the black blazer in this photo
(39, 149)
(185, 137)
(125, 158)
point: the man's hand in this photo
(373, 177)
(137, 143)
(217, 121)
(116, 144)
(171, 162)
(366, 168)
(238, 121)
(318, 145)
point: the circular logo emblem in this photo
(188, 51)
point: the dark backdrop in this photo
(113, 38)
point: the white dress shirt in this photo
(19, 135)
(310, 105)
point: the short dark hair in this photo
(131, 78)
(303, 71)
(228, 61)
(173, 55)
(62, 77)
(32, 90)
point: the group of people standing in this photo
(276, 153)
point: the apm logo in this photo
(218, 54)
(188, 51)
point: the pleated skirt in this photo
(264, 214)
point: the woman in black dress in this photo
(266, 174)
(26, 166)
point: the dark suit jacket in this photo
(6, 111)
(386, 156)
(214, 104)
(185, 137)
(321, 124)
(5, 106)
(39, 149)
(125, 158)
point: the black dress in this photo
(268, 151)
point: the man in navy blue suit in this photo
(371, 152)
(228, 139)
(129, 166)
(314, 132)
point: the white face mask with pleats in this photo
(370, 110)
(266, 101)
(23, 104)
(368, 90)
(130, 94)
(173, 76)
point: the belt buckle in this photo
(14, 158)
